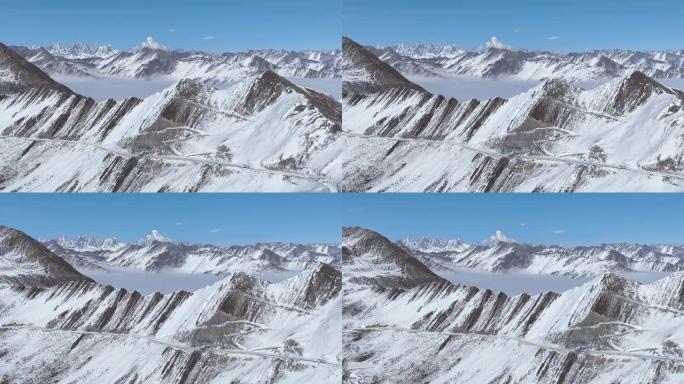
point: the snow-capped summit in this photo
(156, 236)
(500, 237)
(151, 43)
(494, 42)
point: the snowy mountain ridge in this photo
(157, 253)
(495, 59)
(501, 254)
(191, 136)
(241, 328)
(405, 324)
(557, 136)
(152, 59)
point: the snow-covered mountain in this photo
(497, 60)
(80, 51)
(432, 244)
(152, 59)
(262, 133)
(84, 243)
(157, 253)
(624, 135)
(241, 329)
(405, 324)
(502, 254)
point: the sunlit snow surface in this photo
(150, 282)
(515, 283)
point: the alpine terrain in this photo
(503, 254)
(57, 325)
(229, 122)
(494, 59)
(402, 323)
(624, 135)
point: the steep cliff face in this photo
(607, 330)
(554, 137)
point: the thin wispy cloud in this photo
(554, 37)
(209, 37)
(516, 30)
(523, 224)
(559, 231)
(172, 30)
(178, 223)
(214, 230)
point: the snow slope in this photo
(426, 329)
(240, 329)
(624, 135)
(261, 133)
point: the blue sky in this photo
(569, 219)
(219, 25)
(557, 25)
(204, 218)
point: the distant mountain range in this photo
(240, 329)
(157, 253)
(405, 324)
(257, 132)
(502, 254)
(150, 59)
(495, 60)
(624, 135)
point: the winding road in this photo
(322, 181)
(497, 155)
(549, 347)
(171, 344)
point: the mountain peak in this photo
(155, 235)
(17, 74)
(432, 244)
(401, 270)
(494, 42)
(364, 72)
(151, 43)
(500, 237)
(85, 243)
(79, 50)
(632, 91)
(25, 261)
